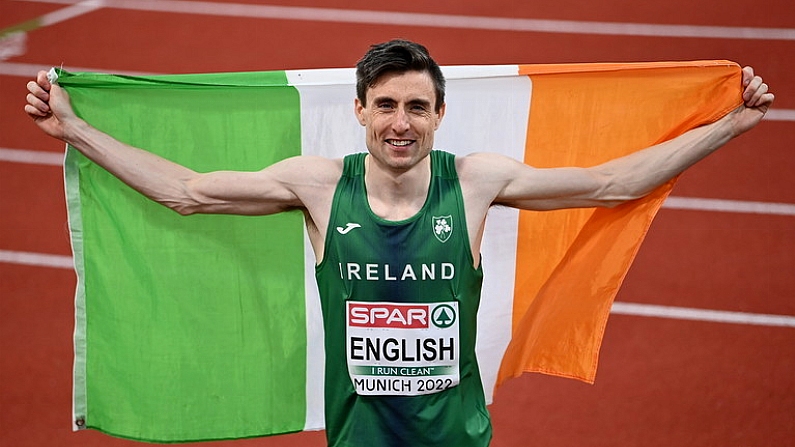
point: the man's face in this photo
(400, 119)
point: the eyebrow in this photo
(416, 101)
(420, 102)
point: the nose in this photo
(400, 123)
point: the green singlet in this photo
(400, 301)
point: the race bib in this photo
(402, 349)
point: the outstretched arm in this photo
(626, 178)
(274, 189)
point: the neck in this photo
(397, 195)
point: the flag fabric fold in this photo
(207, 327)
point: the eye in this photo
(384, 105)
(419, 107)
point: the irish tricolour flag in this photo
(208, 327)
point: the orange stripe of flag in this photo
(571, 263)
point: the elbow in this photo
(611, 203)
(615, 191)
(183, 210)
(184, 199)
(621, 196)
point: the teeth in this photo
(399, 142)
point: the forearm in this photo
(637, 174)
(155, 177)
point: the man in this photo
(378, 206)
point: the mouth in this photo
(399, 143)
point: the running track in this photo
(700, 350)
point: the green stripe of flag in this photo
(185, 354)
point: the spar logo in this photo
(443, 316)
(400, 316)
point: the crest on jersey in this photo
(442, 227)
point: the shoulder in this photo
(482, 177)
(322, 167)
(487, 167)
(300, 181)
(305, 169)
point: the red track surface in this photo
(662, 382)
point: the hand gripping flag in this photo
(208, 326)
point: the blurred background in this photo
(662, 381)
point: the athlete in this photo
(399, 306)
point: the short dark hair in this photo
(397, 56)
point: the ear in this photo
(358, 109)
(440, 115)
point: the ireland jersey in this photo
(400, 301)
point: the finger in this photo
(59, 95)
(36, 103)
(755, 98)
(765, 100)
(33, 112)
(43, 80)
(748, 74)
(35, 89)
(751, 89)
(58, 90)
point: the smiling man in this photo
(396, 232)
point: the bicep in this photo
(285, 185)
(518, 185)
(556, 188)
(230, 192)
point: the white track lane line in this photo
(729, 206)
(32, 157)
(780, 115)
(29, 70)
(13, 42)
(36, 259)
(716, 316)
(393, 18)
(70, 12)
